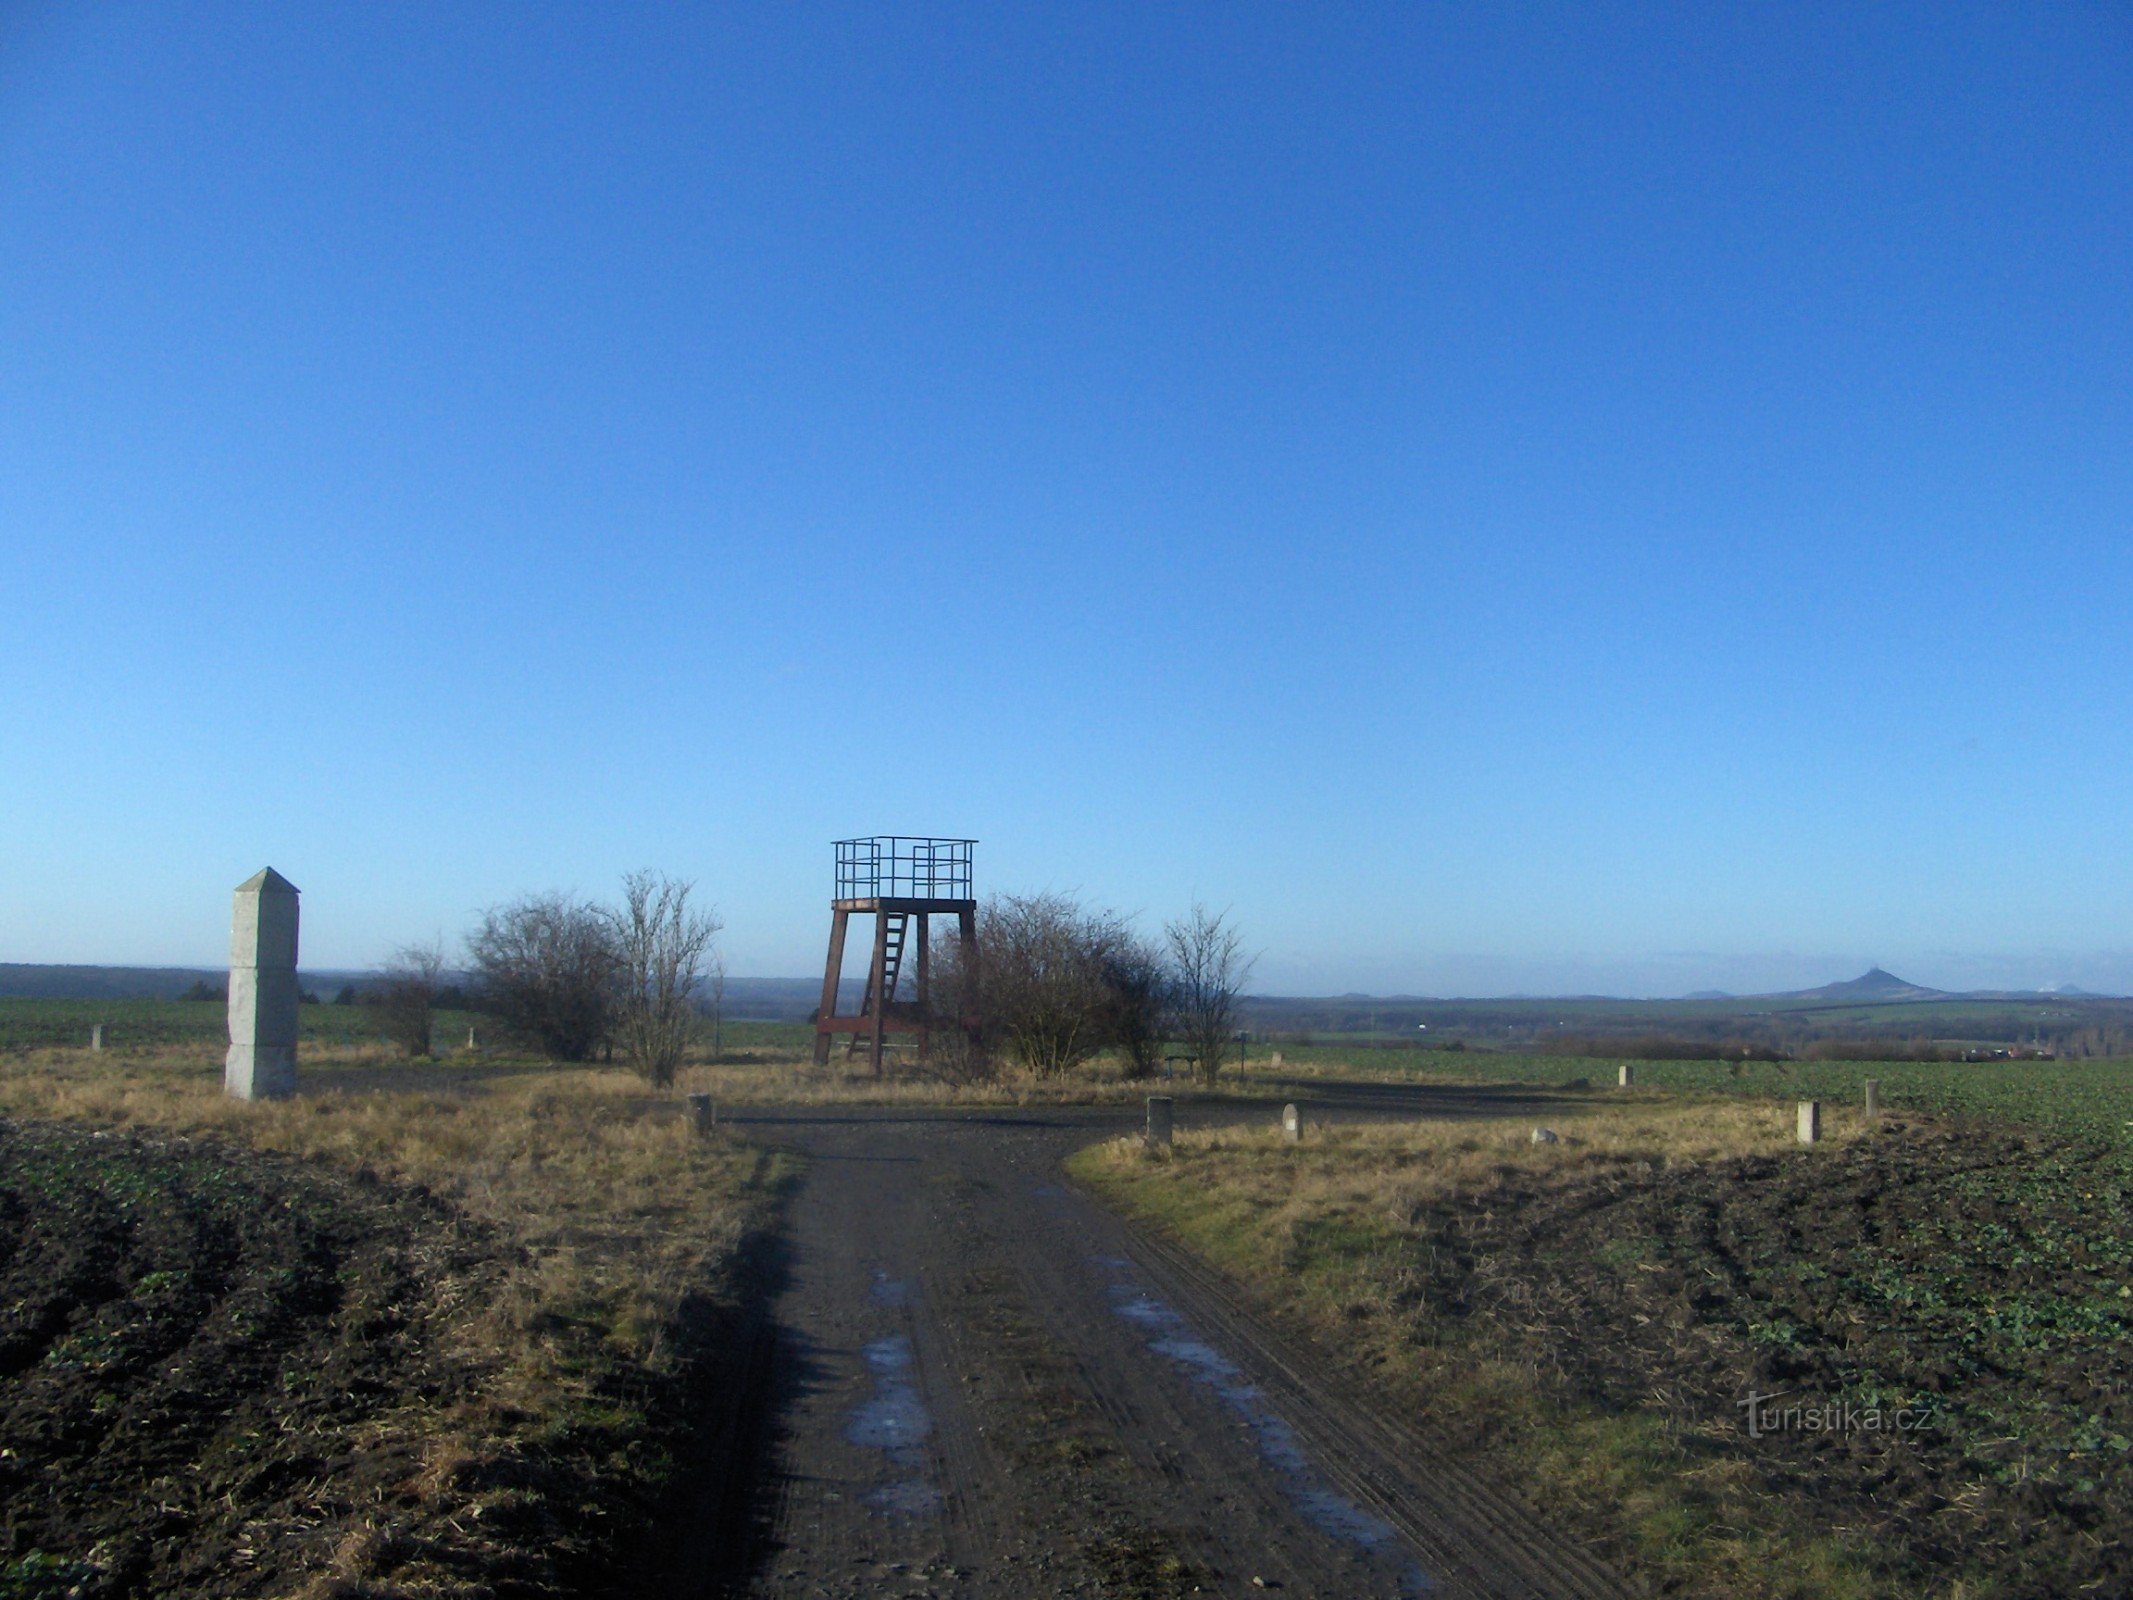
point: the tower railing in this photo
(894, 866)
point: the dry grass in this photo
(602, 1212)
(1395, 1169)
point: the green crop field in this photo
(2087, 1097)
(134, 1025)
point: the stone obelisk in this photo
(263, 993)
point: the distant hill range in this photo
(21, 981)
(747, 999)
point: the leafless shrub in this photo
(959, 1048)
(1207, 971)
(406, 994)
(547, 967)
(1044, 987)
(1141, 998)
(660, 946)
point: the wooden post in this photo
(839, 919)
(1810, 1121)
(703, 1114)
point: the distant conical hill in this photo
(1873, 984)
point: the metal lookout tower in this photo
(897, 880)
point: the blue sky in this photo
(1503, 498)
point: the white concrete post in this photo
(471, 1045)
(1160, 1107)
(1292, 1124)
(1810, 1121)
(1275, 1059)
(1627, 1077)
(96, 1037)
(263, 992)
(1873, 1098)
(1546, 1136)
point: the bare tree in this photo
(405, 995)
(1137, 981)
(1207, 972)
(1043, 987)
(547, 967)
(660, 946)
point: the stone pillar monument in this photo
(263, 993)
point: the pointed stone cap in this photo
(263, 917)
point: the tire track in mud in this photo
(990, 1386)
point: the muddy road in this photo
(978, 1382)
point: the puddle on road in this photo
(1326, 1510)
(894, 1419)
(891, 1292)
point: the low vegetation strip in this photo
(2090, 1097)
(1895, 1364)
(434, 1342)
(143, 1028)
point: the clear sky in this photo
(1503, 497)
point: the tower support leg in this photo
(877, 984)
(925, 993)
(838, 922)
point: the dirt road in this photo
(983, 1384)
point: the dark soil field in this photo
(222, 1373)
(201, 1352)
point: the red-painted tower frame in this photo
(898, 879)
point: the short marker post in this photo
(1160, 1117)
